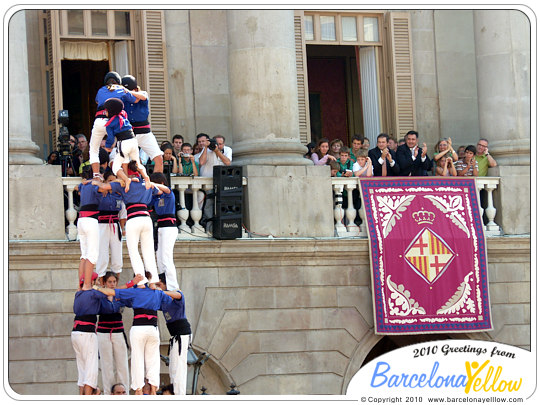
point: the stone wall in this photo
(278, 316)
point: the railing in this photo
(184, 185)
(344, 219)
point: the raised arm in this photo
(175, 295)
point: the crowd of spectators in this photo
(403, 157)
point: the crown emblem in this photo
(423, 217)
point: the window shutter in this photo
(50, 40)
(301, 74)
(402, 73)
(156, 72)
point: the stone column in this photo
(263, 92)
(503, 58)
(22, 150)
(285, 192)
(35, 190)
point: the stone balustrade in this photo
(184, 185)
(344, 218)
(342, 188)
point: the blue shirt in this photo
(111, 202)
(144, 298)
(114, 126)
(174, 309)
(116, 91)
(164, 204)
(87, 302)
(110, 307)
(89, 194)
(139, 111)
(137, 194)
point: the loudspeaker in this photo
(227, 227)
(227, 222)
(228, 206)
(227, 181)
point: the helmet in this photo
(112, 75)
(129, 82)
(114, 106)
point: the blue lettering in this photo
(381, 374)
(421, 381)
(413, 377)
(461, 381)
(433, 372)
(393, 381)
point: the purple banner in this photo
(428, 255)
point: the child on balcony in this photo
(346, 164)
(363, 166)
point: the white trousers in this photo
(98, 133)
(88, 230)
(130, 150)
(148, 143)
(165, 261)
(113, 359)
(85, 345)
(178, 365)
(141, 229)
(109, 242)
(145, 356)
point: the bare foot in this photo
(128, 182)
(148, 183)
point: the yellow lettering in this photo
(477, 383)
(468, 369)
(514, 388)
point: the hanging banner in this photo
(428, 255)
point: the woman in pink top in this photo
(320, 155)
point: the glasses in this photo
(479, 144)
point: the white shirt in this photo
(412, 154)
(212, 160)
(227, 152)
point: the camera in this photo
(64, 147)
(212, 145)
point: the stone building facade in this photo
(291, 315)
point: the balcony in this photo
(344, 219)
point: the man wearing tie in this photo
(412, 160)
(383, 159)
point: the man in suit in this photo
(412, 160)
(383, 158)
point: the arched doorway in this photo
(373, 346)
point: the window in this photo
(308, 28)
(371, 29)
(328, 28)
(342, 28)
(96, 24)
(348, 29)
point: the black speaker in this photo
(227, 181)
(227, 227)
(228, 206)
(227, 222)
